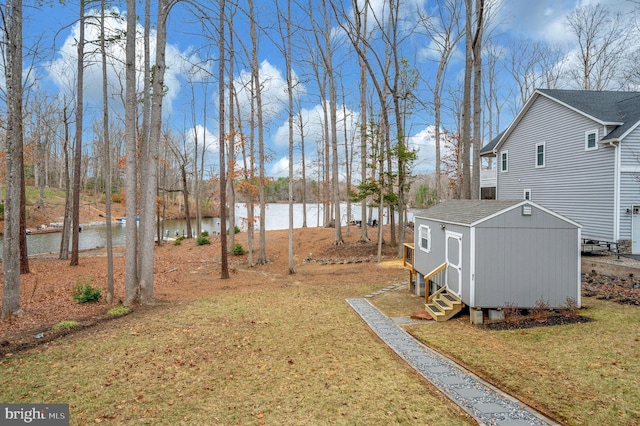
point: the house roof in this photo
(618, 109)
(472, 212)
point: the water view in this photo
(277, 217)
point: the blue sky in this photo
(52, 29)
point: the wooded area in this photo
(352, 53)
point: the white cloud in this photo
(280, 168)
(274, 90)
(423, 143)
(313, 123)
(205, 137)
(62, 70)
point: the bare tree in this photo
(77, 156)
(11, 240)
(257, 94)
(107, 156)
(131, 261)
(444, 31)
(601, 40)
(224, 265)
(477, 97)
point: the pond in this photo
(277, 217)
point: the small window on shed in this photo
(527, 194)
(591, 140)
(424, 235)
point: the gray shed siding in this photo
(517, 258)
(538, 260)
(427, 262)
(582, 192)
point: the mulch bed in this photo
(623, 290)
(525, 322)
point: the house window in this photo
(591, 140)
(527, 194)
(424, 235)
(504, 161)
(540, 154)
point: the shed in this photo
(495, 253)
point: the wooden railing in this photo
(431, 276)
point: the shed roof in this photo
(472, 212)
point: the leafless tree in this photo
(13, 72)
(224, 265)
(107, 154)
(444, 31)
(77, 156)
(601, 39)
(131, 261)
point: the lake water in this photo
(277, 217)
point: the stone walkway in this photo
(482, 401)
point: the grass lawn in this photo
(289, 355)
(579, 374)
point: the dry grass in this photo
(398, 303)
(580, 374)
(292, 355)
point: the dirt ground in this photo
(182, 272)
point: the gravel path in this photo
(485, 403)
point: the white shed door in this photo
(453, 249)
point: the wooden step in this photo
(443, 305)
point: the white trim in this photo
(457, 236)
(472, 268)
(586, 140)
(544, 155)
(579, 266)
(631, 129)
(524, 194)
(518, 205)
(616, 193)
(504, 153)
(428, 230)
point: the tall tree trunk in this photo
(231, 148)
(149, 162)
(255, 72)
(224, 261)
(304, 172)
(465, 190)
(477, 99)
(131, 261)
(77, 156)
(107, 155)
(66, 226)
(289, 73)
(11, 240)
(361, 29)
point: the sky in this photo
(51, 31)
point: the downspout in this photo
(616, 192)
(472, 267)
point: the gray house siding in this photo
(629, 181)
(536, 251)
(582, 191)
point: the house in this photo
(577, 153)
(488, 254)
